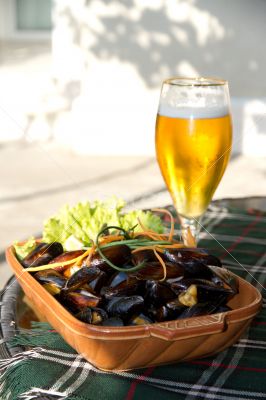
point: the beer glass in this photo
(193, 144)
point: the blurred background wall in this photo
(95, 89)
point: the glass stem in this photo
(190, 229)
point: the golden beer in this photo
(193, 154)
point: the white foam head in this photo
(192, 112)
(199, 100)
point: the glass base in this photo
(190, 229)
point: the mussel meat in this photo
(51, 280)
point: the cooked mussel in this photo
(42, 254)
(92, 315)
(224, 277)
(80, 277)
(140, 319)
(51, 280)
(197, 310)
(206, 291)
(125, 307)
(119, 255)
(143, 256)
(158, 293)
(81, 298)
(186, 254)
(66, 256)
(98, 283)
(195, 263)
(129, 287)
(153, 271)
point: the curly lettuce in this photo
(76, 226)
(22, 250)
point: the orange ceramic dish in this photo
(123, 348)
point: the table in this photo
(236, 373)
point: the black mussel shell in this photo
(119, 255)
(143, 256)
(158, 293)
(93, 316)
(140, 319)
(98, 283)
(187, 253)
(66, 256)
(224, 277)
(125, 307)
(81, 298)
(154, 271)
(42, 254)
(208, 291)
(159, 314)
(194, 263)
(85, 315)
(80, 277)
(52, 280)
(113, 321)
(117, 278)
(129, 287)
(198, 310)
(176, 307)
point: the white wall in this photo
(117, 53)
(110, 57)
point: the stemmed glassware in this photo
(193, 144)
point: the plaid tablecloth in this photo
(50, 369)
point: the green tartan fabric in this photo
(51, 369)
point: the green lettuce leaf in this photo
(147, 218)
(23, 250)
(82, 222)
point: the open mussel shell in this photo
(82, 276)
(206, 291)
(42, 254)
(119, 255)
(51, 280)
(66, 256)
(79, 299)
(125, 307)
(93, 315)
